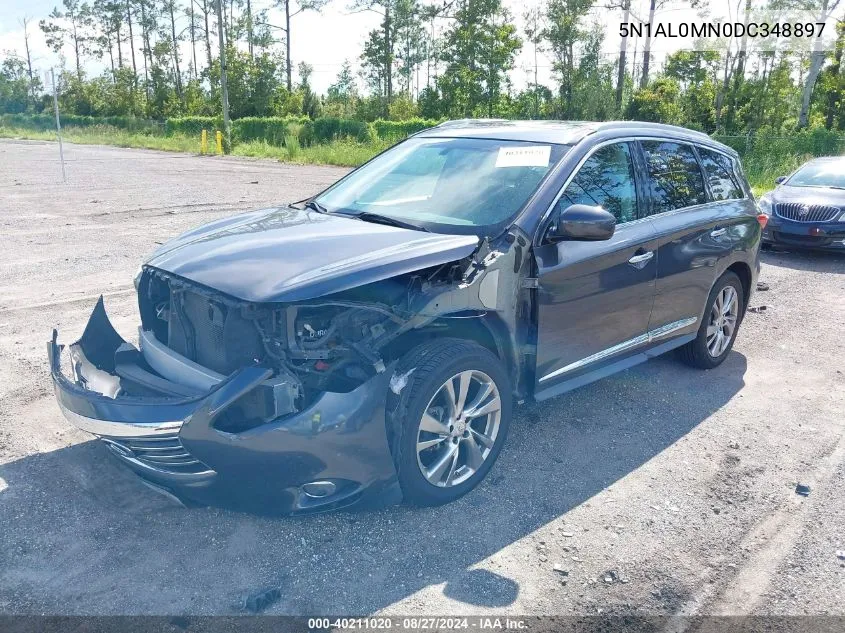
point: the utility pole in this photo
(224, 90)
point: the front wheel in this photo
(449, 419)
(719, 326)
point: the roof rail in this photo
(466, 122)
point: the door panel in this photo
(694, 235)
(591, 299)
(691, 243)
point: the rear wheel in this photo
(449, 420)
(719, 326)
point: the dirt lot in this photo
(661, 490)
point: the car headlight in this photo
(137, 278)
(765, 204)
(842, 216)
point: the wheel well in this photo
(479, 329)
(743, 271)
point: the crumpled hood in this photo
(286, 254)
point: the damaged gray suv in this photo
(369, 344)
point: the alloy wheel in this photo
(723, 318)
(458, 429)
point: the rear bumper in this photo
(823, 236)
(171, 441)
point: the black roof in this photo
(562, 132)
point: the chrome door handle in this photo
(718, 232)
(641, 259)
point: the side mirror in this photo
(582, 222)
(780, 179)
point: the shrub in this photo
(193, 125)
(292, 146)
(816, 142)
(330, 129)
(397, 130)
(47, 122)
(306, 134)
(273, 130)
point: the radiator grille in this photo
(208, 320)
(164, 453)
(799, 212)
(224, 340)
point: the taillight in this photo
(763, 219)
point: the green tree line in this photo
(436, 59)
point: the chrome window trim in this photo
(542, 225)
(648, 337)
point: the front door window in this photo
(605, 180)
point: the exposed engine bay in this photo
(336, 342)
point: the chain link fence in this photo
(816, 142)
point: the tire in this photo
(701, 352)
(418, 449)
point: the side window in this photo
(675, 176)
(606, 180)
(720, 175)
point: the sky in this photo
(336, 34)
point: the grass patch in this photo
(259, 149)
(107, 135)
(343, 153)
(762, 169)
(33, 135)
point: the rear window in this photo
(675, 176)
(720, 175)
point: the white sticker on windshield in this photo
(527, 156)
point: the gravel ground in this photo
(661, 490)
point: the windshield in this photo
(821, 174)
(456, 185)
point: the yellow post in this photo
(219, 142)
(204, 142)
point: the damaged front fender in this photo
(484, 297)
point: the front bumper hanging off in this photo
(332, 454)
